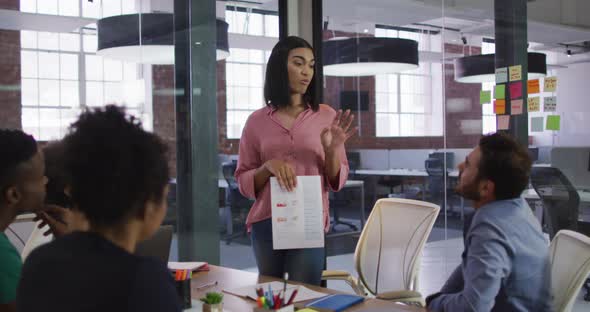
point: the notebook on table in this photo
(335, 303)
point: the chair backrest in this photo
(560, 199)
(35, 240)
(570, 265)
(229, 169)
(354, 161)
(391, 243)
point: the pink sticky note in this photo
(516, 107)
(516, 89)
(503, 122)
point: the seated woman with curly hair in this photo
(118, 174)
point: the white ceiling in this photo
(16, 20)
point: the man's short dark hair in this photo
(16, 147)
(114, 166)
(277, 92)
(505, 162)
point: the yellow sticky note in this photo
(500, 91)
(485, 97)
(534, 104)
(500, 107)
(550, 84)
(515, 72)
(533, 86)
(503, 122)
(553, 122)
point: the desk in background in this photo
(227, 278)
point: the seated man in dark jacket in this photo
(505, 264)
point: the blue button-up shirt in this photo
(505, 265)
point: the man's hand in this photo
(60, 220)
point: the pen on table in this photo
(207, 285)
(293, 294)
(285, 278)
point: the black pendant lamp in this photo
(481, 68)
(121, 37)
(369, 56)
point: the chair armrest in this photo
(335, 274)
(405, 296)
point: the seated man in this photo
(118, 177)
(505, 264)
(22, 188)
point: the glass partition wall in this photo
(418, 75)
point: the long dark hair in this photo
(277, 92)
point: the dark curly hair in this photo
(16, 147)
(277, 92)
(114, 166)
(505, 162)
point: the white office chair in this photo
(35, 240)
(387, 255)
(570, 265)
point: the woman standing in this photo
(292, 136)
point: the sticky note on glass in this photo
(500, 107)
(516, 107)
(485, 97)
(553, 122)
(501, 75)
(537, 124)
(515, 72)
(534, 104)
(500, 92)
(503, 122)
(550, 84)
(549, 104)
(516, 90)
(533, 86)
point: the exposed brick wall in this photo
(9, 4)
(163, 109)
(10, 94)
(165, 114)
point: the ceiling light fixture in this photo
(121, 37)
(481, 68)
(369, 56)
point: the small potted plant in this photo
(212, 302)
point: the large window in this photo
(488, 117)
(245, 68)
(61, 73)
(407, 104)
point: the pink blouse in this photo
(265, 138)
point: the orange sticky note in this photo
(503, 122)
(516, 107)
(500, 107)
(533, 86)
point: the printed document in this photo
(297, 216)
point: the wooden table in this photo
(227, 278)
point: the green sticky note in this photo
(485, 97)
(553, 122)
(499, 92)
(537, 124)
